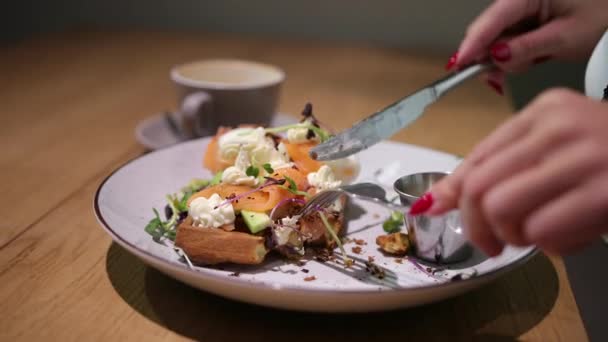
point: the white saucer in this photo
(154, 132)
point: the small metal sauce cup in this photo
(438, 239)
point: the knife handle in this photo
(453, 80)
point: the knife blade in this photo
(385, 123)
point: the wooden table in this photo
(70, 103)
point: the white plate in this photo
(154, 132)
(124, 202)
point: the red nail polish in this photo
(422, 204)
(496, 86)
(541, 59)
(452, 61)
(501, 52)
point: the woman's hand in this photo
(539, 179)
(565, 29)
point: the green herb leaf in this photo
(182, 204)
(171, 234)
(252, 171)
(268, 168)
(295, 192)
(293, 188)
(390, 226)
(292, 184)
(394, 223)
(155, 227)
(397, 216)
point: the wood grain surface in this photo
(69, 104)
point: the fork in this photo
(365, 191)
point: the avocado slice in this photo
(256, 222)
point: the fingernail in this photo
(496, 86)
(422, 204)
(501, 52)
(541, 59)
(452, 61)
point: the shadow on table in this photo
(500, 311)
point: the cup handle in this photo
(196, 115)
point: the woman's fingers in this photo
(497, 18)
(519, 52)
(505, 135)
(571, 220)
(541, 178)
(496, 81)
(508, 203)
(523, 151)
(477, 228)
(446, 193)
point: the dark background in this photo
(434, 26)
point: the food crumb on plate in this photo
(370, 258)
(376, 215)
(311, 278)
(360, 242)
(305, 270)
(235, 274)
(374, 270)
(356, 250)
(399, 261)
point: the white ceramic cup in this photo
(225, 92)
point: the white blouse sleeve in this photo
(596, 76)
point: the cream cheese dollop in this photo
(290, 221)
(345, 169)
(237, 174)
(207, 212)
(323, 179)
(260, 148)
(267, 154)
(230, 143)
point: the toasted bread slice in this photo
(313, 228)
(215, 246)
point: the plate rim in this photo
(259, 285)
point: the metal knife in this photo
(383, 124)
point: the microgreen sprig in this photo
(252, 171)
(293, 188)
(178, 204)
(268, 168)
(334, 236)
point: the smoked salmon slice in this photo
(260, 201)
(211, 159)
(299, 154)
